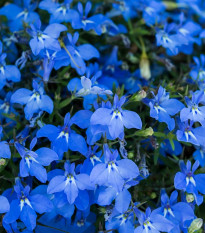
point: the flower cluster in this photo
(99, 103)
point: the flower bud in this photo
(146, 132)
(145, 67)
(140, 95)
(195, 225)
(2, 162)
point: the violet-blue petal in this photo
(38, 171)
(131, 120)
(28, 217)
(127, 168)
(57, 184)
(21, 96)
(5, 150)
(4, 205)
(49, 131)
(77, 142)
(88, 52)
(122, 201)
(46, 156)
(40, 203)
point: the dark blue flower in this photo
(7, 72)
(60, 12)
(20, 15)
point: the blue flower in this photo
(113, 172)
(199, 154)
(4, 147)
(76, 55)
(7, 72)
(35, 100)
(187, 181)
(153, 12)
(186, 133)
(63, 137)
(45, 39)
(70, 183)
(32, 162)
(166, 148)
(121, 218)
(88, 86)
(82, 20)
(25, 205)
(161, 107)
(59, 12)
(151, 222)
(128, 9)
(193, 112)
(176, 212)
(20, 15)
(198, 70)
(6, 107)
(116, 118)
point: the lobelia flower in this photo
(4, 147)
(170, 39)
(162, 107)
(82, 20)
(35, 100)
(48, 64)
(198, 70)
(63, 137)
(20, 15)
(187, 133)
(121, 218)
(128, 9)
(32, 163)
(113, 172)
(176, 212)
(70, 183)
(88, 86)
(187, 181)
(193, 112)
(47, 39)
(7, 72)
(59, 12)
(76, 55)
(116, 118)
(151, 222)
(153, 12)
(199, 154)
(6, 108)
(24, 206)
